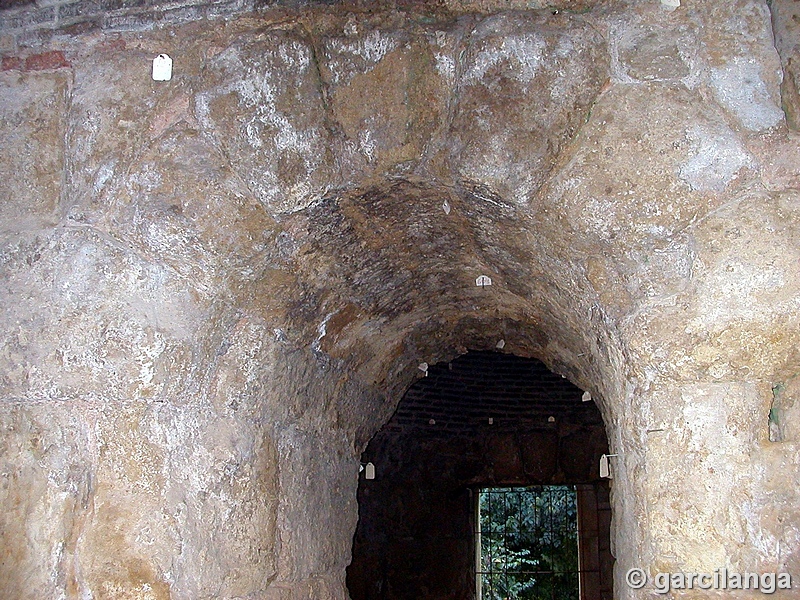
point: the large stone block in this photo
(113, 101)
(84, 310)
(389, 91)
(734, 320)
(185, 203)
(45, 489)
(261, 98)
(699, 441)
(524, 89)
(33, 111)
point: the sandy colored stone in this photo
(262, 97)
(389, 94)
(34, 127)
(216, 289)
(526, 85)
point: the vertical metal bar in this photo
(478, 548)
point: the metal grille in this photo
(527, 543)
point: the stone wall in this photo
(216, 289)
(30, 22)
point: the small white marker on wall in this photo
(162, 68)
(671, 4)
(491, 421)
(587, 397)
(424, 368)
(483, 281)
(446, 207)
(369, 471)
(500, 345)
(605, 471)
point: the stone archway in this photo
(378, 318)
(486, 419)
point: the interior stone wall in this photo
(216, 289)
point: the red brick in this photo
(45, 61)
(11, 63)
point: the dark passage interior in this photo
(486, 419)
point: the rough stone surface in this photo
(786, 29)
(216, 289)
(525, 88)
(34, 115)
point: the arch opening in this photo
(483, 420)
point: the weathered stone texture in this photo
(525, 86)
(215, 289)
(33, 113)
(389, 91)
(264, 105)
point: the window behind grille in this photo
(527, 543)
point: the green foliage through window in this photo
(528, 543)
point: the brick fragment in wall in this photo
(36, 62)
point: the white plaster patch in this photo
(322, 331)
(148, 354)
(740, 88)
(371, 49)
(104, 173)
(273, 134)
(295, 55)
(597, 216)
(524, 52)
(717, 158)
(565, 48)
(367, 144)
(148, 179)
(375, 46)
(446, 67)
